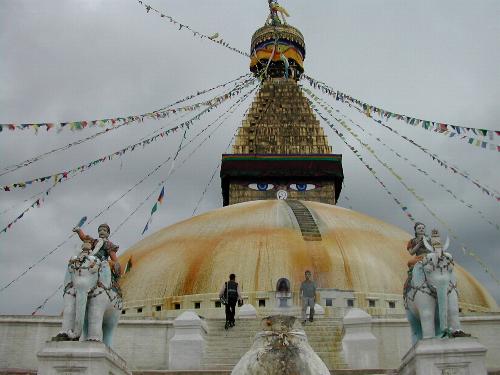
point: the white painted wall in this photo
(394, 336)
(144, 343)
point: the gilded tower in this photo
(280, 150)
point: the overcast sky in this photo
(72, 60)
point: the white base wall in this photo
(395, 338)
(144, 343)
(459, 356)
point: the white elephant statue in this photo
(92, 304)
(431, 297)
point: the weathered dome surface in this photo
(260, 241)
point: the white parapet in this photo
(82, 358)
(457, 356)
(187, 346)
(359, 345)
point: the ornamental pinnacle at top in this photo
(280, 150)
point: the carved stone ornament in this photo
(280, 348)
(282, 194)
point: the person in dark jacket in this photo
(231, 294)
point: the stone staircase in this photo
(225, 348)
(325, 337)
(307, 225)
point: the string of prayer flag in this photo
(211, 178)
(481, 186)
(485, 189)
(122, 120)
(101, 212)
(221, 119)
(154, 209)
(36, 203)
(60, 176)
(330, 111)
(468, 134)
(409, 189)
(472, 254)
(42, 305)
(37, 158)
(21, 203)
(107, 208)
(162, 192)
(213, 38)
(403, 207)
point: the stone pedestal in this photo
(82, 358)
(280, 348)
(458, 356)
(359, 345)
(187, 345)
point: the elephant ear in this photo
(418, 277)
(428, 246)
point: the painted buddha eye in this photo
(261, 186)
(302, 187)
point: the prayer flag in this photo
(145, 228)
(162, 193)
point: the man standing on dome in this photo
(230, 294)
(308, 296)
(106, 248)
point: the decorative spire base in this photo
(277, 49)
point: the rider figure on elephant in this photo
(106, 251)
(416, 247)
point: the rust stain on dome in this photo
(260, 242)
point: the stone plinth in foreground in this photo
(82, 358)
(458, 356)
(187, 346)
(280, 348)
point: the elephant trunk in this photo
(442, 299)
(80, 311)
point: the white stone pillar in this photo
(82, 358)
(247, 311)
(359, 345)
(187, 346)
(457, 356)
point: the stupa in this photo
(280, 186)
